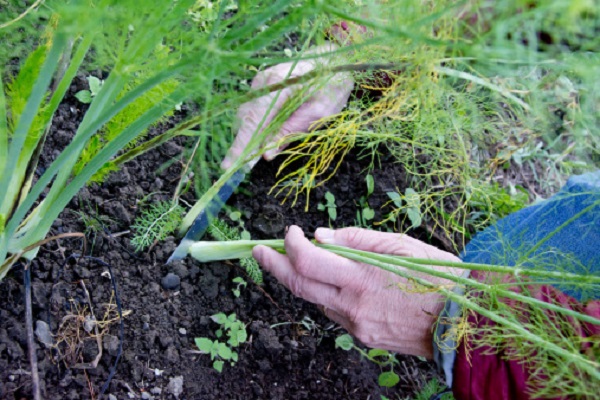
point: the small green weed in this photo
(409, 205)
(155, 223)
(231, 329)
(383, 358)
(365, 213)
(494, 202)
(221, 231)
(329, 206)
(433, 387)
(241, 283)
(236, 216)
(86, 96)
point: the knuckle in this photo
(303, 266)
(297, 285)
(353, 235)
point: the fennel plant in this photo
(141, 50)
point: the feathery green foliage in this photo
(221, 231)
(154, 60)
(478, 88)
(155, 223)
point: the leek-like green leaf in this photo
(3, 129)
(36, 229)
(29, 113)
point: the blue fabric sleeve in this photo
(561, 231)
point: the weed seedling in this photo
(236, 216)
(240, 283)
(219, 230)
(365, 213)
(86, 96)
(329, 205)
(155, 223)
(411, 207)
(231, 329)
(383, 358)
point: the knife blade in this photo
(202, 221)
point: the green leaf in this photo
(321, 207)
(95, 85)
(388, 379)
(332, 211)
(370, 184)
(242, 335)
(219, 318)
(373, 353)
(235, 216)
(412, 198)
(413, 202)
(245, 235)
(330, 198)
(84, 96)
(368, 213)
(234, 356)
(218, 365)
(204, 344)
(224, 351)
(415, 217)
(396, 198)
(218, 333)
(344, 342)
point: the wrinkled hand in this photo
(362, 298)
(327, 101)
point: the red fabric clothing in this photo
(486, 374)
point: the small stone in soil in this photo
(42, 331)
(170, 282)
(175, 386)
(111, 344)
(156, 390)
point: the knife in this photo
(202, 221)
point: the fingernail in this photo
(325, 235)
(270, 155)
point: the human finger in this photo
(325, 102)
(250, 115)
(281, 268)
(319, 264)
(367, 240)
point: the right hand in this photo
(369, 302)
(327, 101)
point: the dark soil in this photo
(290, 353)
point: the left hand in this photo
(327, 101)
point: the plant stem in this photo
(467, 282)
(482, 82)
(586, 364)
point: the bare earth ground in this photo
(292, 360)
